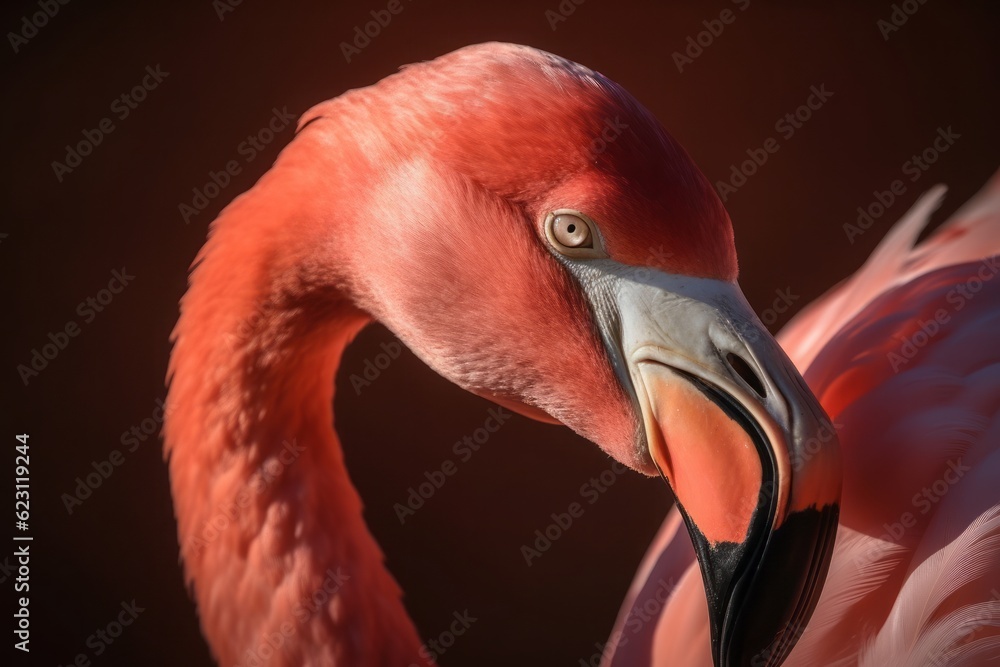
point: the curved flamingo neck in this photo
(271, 531)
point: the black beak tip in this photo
(762, 592)
(763, 624)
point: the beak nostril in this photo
(743, 369)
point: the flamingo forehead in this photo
(546, 133)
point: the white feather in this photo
(910, 635)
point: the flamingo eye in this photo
(571, 231)
(573, 234)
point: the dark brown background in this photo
(461, 551)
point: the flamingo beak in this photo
(750, 455)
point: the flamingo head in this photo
(535, 236)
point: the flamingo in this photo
(478, 207)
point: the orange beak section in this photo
(707, 457)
